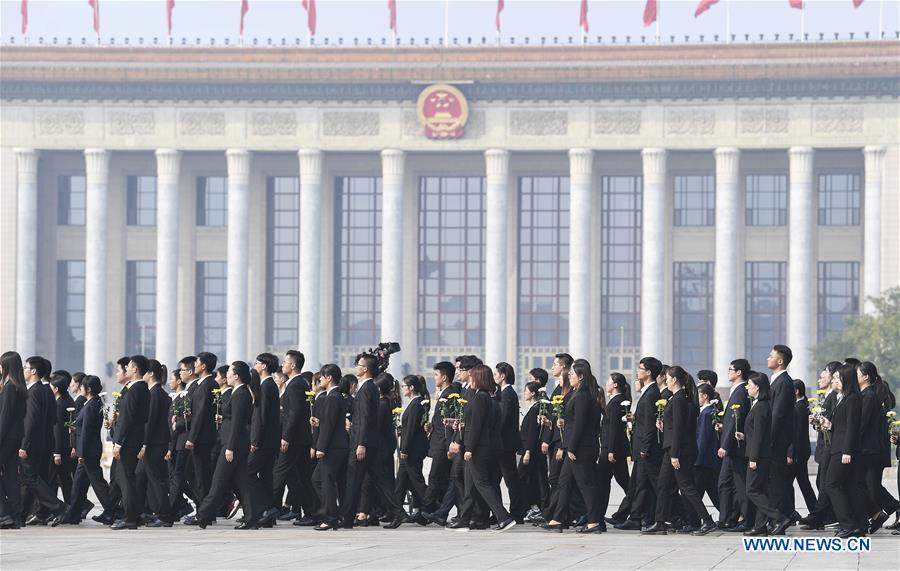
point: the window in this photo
(620, 296)
(140, 308)
(72, 203)
(357, 269)
(695, 200)
(70, 315)
(838, 296)
(451, 261)
(212, 200)
(543, 261)
(283, 261)
(766, 200)
(210, 307)
(764, 317)
(141, 200)
(693, 315)
(839, 196)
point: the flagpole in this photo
(447, 23)
(727, 21)
(803, 23)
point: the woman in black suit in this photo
(842, 478)
(13, 399)
(413, 441)
(758, 435)
(581, 445)
(532, 468)
(231, 467)
(679, 426)
(875, 452)
(613, 461)
(331, 444)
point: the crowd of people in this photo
(329, 451)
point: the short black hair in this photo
(297, 358)
(60, 382)
(785, 353)
(123, 363)
(331, 370)
(209, 360)
(565, 359)
(269, 360)
(370, 362)
(468, 362)
(141, 362)
(507, 370)
(707, 375)
(40, 366)
(78, 378)
(540, 375)
(223, 370)
(62, 373)
(742, 367)
(446, 368)
(653, 365)
(800, 387)
(707, 390)
(188, 362)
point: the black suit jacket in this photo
(317, 410)
(680, 427)
(509, 419)
(644, 437)
(782, 398)
(363, 415)
(331, 435)
(553, 436)
(828, 411)
(179, 434)
(203, 423)
(387, 433)
(413, 441)
(62, 441)
(530, 431)
(582, 427)
(845, 425)
(730, 424)
(156, 431)
(480, 421)
(87, 430)
(440, 434)
(237, 415)
(12, 412)
(266, 431)
(79, 402)
(872, 430)
(613, 436)
(134, 408)
(758, 431)
(295, 427)
(800, 448)
(37, 435)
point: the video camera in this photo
(382, 354)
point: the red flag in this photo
(857, 3)
(392, 15)
(170, 5)
(310, 6)
(583, 19)
(649, 12)
(798, 4)
(703, 6)
(95, 4)
(245, 6)
(497, 18)
(24, 10)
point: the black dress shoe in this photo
(86, 509)
(877, 522)
(325, 526)
(589, 529)
(434, 518)
(289, 515)
(845, 533)
(35, 520)
(779, 527)
(122, 524)
(893, 526)
(760, 531)
(104, 518)
(687, 529)
(154, 522)
(458, 525)
(705, 528)
(613, 521)
(395, 523)
(247, 525)
(582, 521)
(739, 528)
(629, 525)
(506, 524)
(190, 520)
(479, 525)
(304, 522)
(7, 522)
(658, 528)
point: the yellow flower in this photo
(821, 392)
(735, 406)
(117, 394)
(558, 399)
(896, 423)
(453, 396)
(662, 402)
(813, 400)
(720, 413)
(216, 391)
(397, 410)
(463, 401)
(310, 393)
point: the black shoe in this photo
(190, 520)
(845, 533)
(739, 528)
(86, 509)
(779, 526)
(589, 529)
(35, 520)
(614, 521)
(479, 525)
(7, 522)
(687, 529)
(153, 522)
(506, 524)
(877, 522)
(304, 522)
(893, 526)
(122, 524)
(395, 523)
(325, 526)
(554, 526)
(458, 525)
(705, 528)
(268, 518)
(629, 525)
(104, 518)
(289, 515)
(723, 526)
(247, 525)
(582, 521)
(757, 532)
(658, 528)
(434, 518)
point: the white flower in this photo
(624, 419)
(542, 390)
(714, 401)
(103, 394)
(70, 409)
(626, 403)
(442, 400)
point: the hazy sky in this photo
(278, 19)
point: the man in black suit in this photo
(510, 437)
(783, 428)
(61, 469)
(331, 447)
(823, 513)
(439, 487)
(733, 476)
(181, 475)
(800, 450)
(265, 435)
(293, 469)
(152, 467)
(202, 433)
(130, 430)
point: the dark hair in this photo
(307, 376)
(565, 359)
(582, 369)
(445, 368)
(333, 371)
(468, 362)
(706, 390)
(785, 353)
(142, 364)
(481, 378)
(255, 383)
(269, 360)
(849, 382)
(385, 384)
(77, 378)
(761, 380)
(209, 360)
(11, 369)
(800, 387)
(245, 375)
(62, 373)
(424, 392)
(882, 391)
(92, 384)
(679, 374)
(123, 363)
(177, 376)
(540, 375)
(507, 370)
(159, 370)
(742, 366)
(533, 386)
(297, 358)
(345, 383)
(852, 361)
(370, 362)
(707, 375)
(49, 366)
(653, 365)
(621, 383)
(60, 382)
(189, 361)
(415, 383)
(40, 365)
(833, 366)
(222, 370)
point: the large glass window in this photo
(283, 261)
(451, 261)
(766, 200)
(543, 261)
(358, 266)
(211, 307)
(621, 226)
(69, 315)
(212, 200)
(764, 317)
(839, 198)
(140, 307)
(695, 200)
(838, 295)
(71, 206)
(693, 315)
(141, 200)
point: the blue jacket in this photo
(707, 439)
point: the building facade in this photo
(611, 201)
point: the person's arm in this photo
(200, 413)
(153, 414)
(679, 418)
(329, 419)
(854, 420)
(476, 417)
(291, 402)
(32, 420)
(755, 437)
(410, 419)
(617, 425)
(577, 424)
(781, 407)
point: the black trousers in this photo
(733, 489)
(781, 480)
(757, 482)
(842, 485)
(262, 464)
(201, 454)
(554, 468)
(438, 480)
(61, 477)
(357, 470)
(482, 482)
(681, 480)
(229, 476)
(706, 481)
(823, 510)
(153, 465)
(10, 492)
(580, 473)
(88, 473)
(800, 472)
(533, 480)
(510, 475)
(293, 470)
(411, 479)
(125, 476)
(181, 476)
(606, 471)
(643, 506)
(34, 485)
(879, 498)
(329, 474)
(458, 470)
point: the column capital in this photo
(168, 164)
(311, 161)
(654, 159)
(496, 163)
(801, 161)
(393, 163)
(27, 161)
(96, 163)
(581, 165)
(728, 161)
(874, 155)
(238, 164)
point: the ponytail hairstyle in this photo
(385, 384)
(157, 369)
(255, 382)
(11, 373)
(621, 384)
(413, 382)
(92, 384)
(534, 387)
(424, 392)
(680, 375)
(833, 366)
(882, 391)
(244, 374)
(582, 368)
(691, 389)
(711, 395)
(849, 382)
(567, 362)
(507, 371)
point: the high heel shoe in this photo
(554, 527)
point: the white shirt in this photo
(777, 375)
(129, 384)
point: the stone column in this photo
(801, 274)
(393, 164)
(874, 156)
(95, 261)
(310, 255)
(26, 251)
(497, 236)
(238, 235)
(581, 171)
(727, 268)
(653, 254)
(168, 167)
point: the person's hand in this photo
(560, 423)
(188, 445)
(168, 456)
(314, 422)
(319, 454)
(611, 457)
(722, 453)
(229, 455)
(312, 453)
(559, 455)
(81, 460)
(659, 425)
(117, 452)
(403, 456)
(826, 424)
(545, 447)
(107, 423)
(644, 455)
(253, 448)
(218, 420)
(360, 453)
(284, 446)
(526, 458)
(571, 456)
(454, 448)
(676, 464)
(347, 425)
(428, 428)
(141, 452)
(845, 458)
(73, 454)
(739, 435)
(629, 417)
(57, 459)
(467, 456)
(790, 460)
(752, 465)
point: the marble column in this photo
(310, 255)
(727, 267)
(581, 172)
(802, 270)
(497, 236)
(168, 168)
(393, 164)
(653, 255)
(238, 235)
(95, 261)
(26, 251)
(874, 158)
